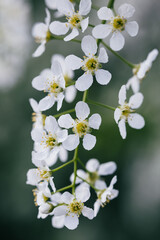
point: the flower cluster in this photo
(55, 135)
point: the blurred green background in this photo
(135, 214)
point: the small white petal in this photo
(105, 13)
(107, 168)
(46, 102)
(84, 24)
(59, 28)
(122, 95)
(97, 205)
(126, 10)
(103, 77)
(60, 98)
(63, 154)
(100, 184)
(66, 7)
(73, 62)
(71, 222)
(71, 142)
(40, 50)
(66, 121)
(89, 45)
(72, 35)
(70, 94)
(117, 41)
(88, 212)
(84, 7)
(48, 17)
(152, 56)
(67, 197)
(103, 56)
(60, 210)
(82, 193)
(82, 110)
(33, 177)
(51, 124)
(136, 100)
(37, 135)
(58, 221)
(117, 114)
(136, 121)
(84, 82)
(132, 28)
(134, 83)
(34, 105)
(81, 174)
(89, 141)
(62, 135)
(101, 31)
(92, 165)
(122, 128)
(38, 83)
(56, 68)
(95, 121)
(51, 4)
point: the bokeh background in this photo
(135, 214)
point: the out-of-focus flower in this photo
(14, 40)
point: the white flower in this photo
(38, 118)
(42, 193)
(91, 64)
(140, 71)
(68, 214)
(105, 194)
(95, 171)
(116, 25)
(48, 140)
(68, 74)
(41, 33)
(75, 20)
(51, 81)
(125, 112)
(81, 127)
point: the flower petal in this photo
(82, 110)
(84, 24)
(136, 100)
(38, 83)
(59, 28)
(56, 67)
(33, 176)
(34, 105)
(71, 222)
(88, 212)
(122, 128)
(136, 121)
(122, 95)
(126, 10)
(62, 135)
(100, 184)
(89, 45)
(73, 62)
(67, 197)
(51, 124)
(71, 142)
(84, 82)
(92, 165)
(107, 168)
(105, 13)
(134, 83)
(103, 77)
(63, 154)
(46, 102)
(101, 31)
(117, 41)
(58, 221)
(97, 205)
(66, 7)
(81, 174)
(72, 35)
(84, 7)
(89, 141)
(70, 94)
(60, 210)
(82, 193)
(40, 50)
(60, 98)
(117, 114)
(66, 121)
(132, 28)
(95, 121)
(103, 56)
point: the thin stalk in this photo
(88, 183)
(61, 38)
(65, 112)
(62, 166)
(111, 4)
(101, 105)
(91, 25)
(75, 170)
(64, 188)
(85, 96)
(117, 55)
(82, 164)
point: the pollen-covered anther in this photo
(91, 64)
(118, 23)
(75, 207)
(44, 174)
(126, 110)
(75, 20)
(35, 196)
(81, 128)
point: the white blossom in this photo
(52, 82)
(81, 127)
(91, 64)
(75, 20)
(126, 112)
(68, 214)
(116, 25)
(37, 117)
(140, 71)
(41, 34)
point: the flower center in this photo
(74, 20)
(76, 207)
(91, 64)
(48, 36)
(92, 177)
(50, 141)
(44, 174)
(81, 128)
(126, 110)
(119, 23)
(136, 69)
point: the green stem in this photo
(82, 164)
(91, 25)
(117, 55)
(100, 104)
(62, 166)
(64, 188)
(65, 112)
(62, 38)
(85, 96)
(75, 170)
(88, 183)
(111, 4)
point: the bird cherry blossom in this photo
(42, 34)
(126, 112)
(91, 64)
(81, 127)
(75, 20)
(73, 206)
(37, 117)
(141, 70)
(52, 82)
(116, 25)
